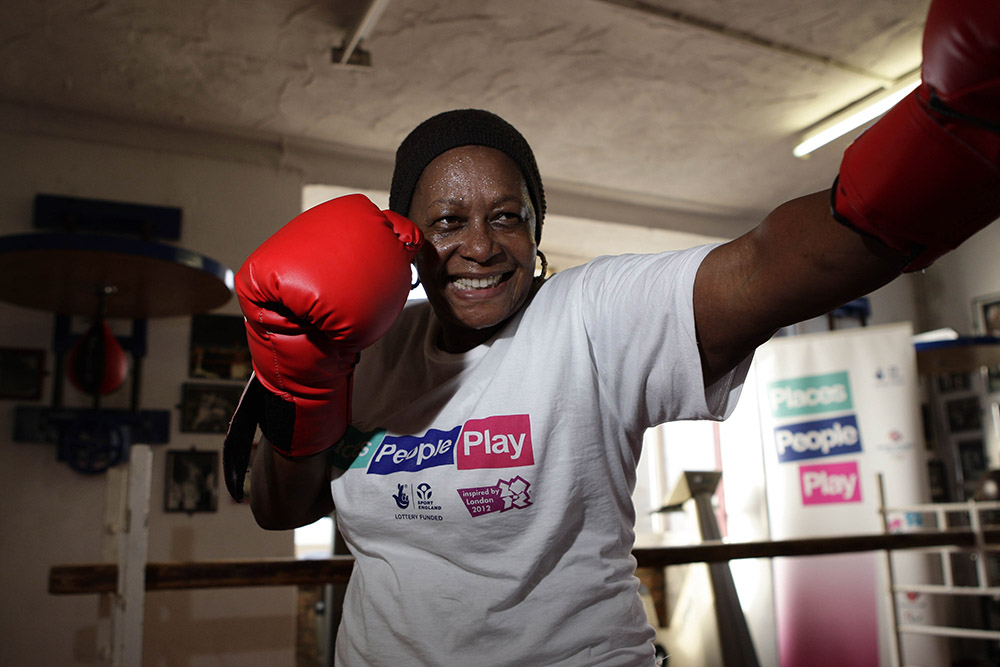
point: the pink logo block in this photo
(512, 494)
(503, 441)
(830, 483)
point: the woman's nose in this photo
(477, 242)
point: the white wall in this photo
(949, 286)
(52, 514)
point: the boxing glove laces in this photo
(324, 287)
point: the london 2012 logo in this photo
(504, 495)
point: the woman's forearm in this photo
(285, 492)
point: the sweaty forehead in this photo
(470, 172)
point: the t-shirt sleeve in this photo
(639, 316)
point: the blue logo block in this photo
(410, 453)
(816, 439)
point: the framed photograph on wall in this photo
(955, 381)
(972, 458)
(192, 483)
(22, 372)
(986, 315)
(207, 408)
(218, 349)
(964, 414)
(938, 478)
(993, 378)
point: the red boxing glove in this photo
(324, 287)
(926, 176)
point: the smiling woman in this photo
(496, 426)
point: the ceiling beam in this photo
(361, 31)
(746, 37)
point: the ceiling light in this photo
(855, 115)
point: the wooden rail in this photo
(103, 577)
(712, 552)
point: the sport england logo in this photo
(505, 495)
(830, 483)
(810, 395)
(815, 439)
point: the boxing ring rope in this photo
(83, 579)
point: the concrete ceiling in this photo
(675, 105)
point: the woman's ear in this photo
(543, 273)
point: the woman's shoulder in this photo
(608, 267)
(406, 332)
(414, 311)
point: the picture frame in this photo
(927, 424)
(218, 348)
(972, 458)
(964, 414)
(986, 315)
(954, 381)
(993, 379)
(208, 408)
(22, 373)
(192, 481)
(938, 481)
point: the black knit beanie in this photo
(462, 127)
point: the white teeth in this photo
(476, 283)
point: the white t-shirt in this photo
(486, 496)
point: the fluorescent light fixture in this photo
(856, 115)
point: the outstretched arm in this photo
(918, 183)
(797, 264)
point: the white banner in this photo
(836, 410)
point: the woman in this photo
(483, 483)
(530, 399)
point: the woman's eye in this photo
(445, 222)
(508, 218)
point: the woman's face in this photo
(477, 263)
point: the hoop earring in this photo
(545, 264)
(416, 283)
